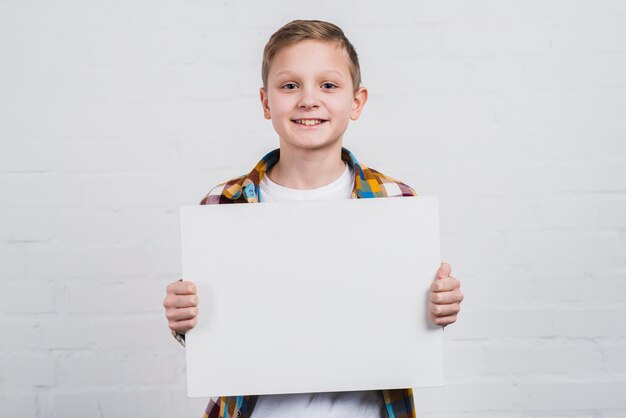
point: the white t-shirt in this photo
(337, 190)
(364, 404)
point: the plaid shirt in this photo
(368, 183)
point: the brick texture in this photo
(113, 114)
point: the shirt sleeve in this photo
(179, 337)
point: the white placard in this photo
(312, 296)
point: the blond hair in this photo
(302, 30)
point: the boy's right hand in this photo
(181, 306)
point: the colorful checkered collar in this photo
(248, 185)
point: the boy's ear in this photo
(265, 104)
(360, 98)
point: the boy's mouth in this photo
(309, 122)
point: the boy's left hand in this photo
(444, 299)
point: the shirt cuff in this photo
(179, 337)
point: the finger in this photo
(183, 326)
(441, 311)
(446, 298)
(185, 301)
(443, 321)
(180, 301)
(445, 285)
(181, 314)
(444, 271)
(182, 288)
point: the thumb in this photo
(444, 271)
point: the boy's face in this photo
(310, 96)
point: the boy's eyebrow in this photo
(289, 72)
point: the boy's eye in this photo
(289, 86)
(328, 86)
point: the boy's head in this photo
(302, 30)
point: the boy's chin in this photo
(311, 146)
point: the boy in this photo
(311, 90)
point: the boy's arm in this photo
(444, 300)
(181, 308)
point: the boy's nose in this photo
(308, 99)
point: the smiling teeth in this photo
(309, 122)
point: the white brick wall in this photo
(115, 113)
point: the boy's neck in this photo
(307, 169)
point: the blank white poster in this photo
(312, 296)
